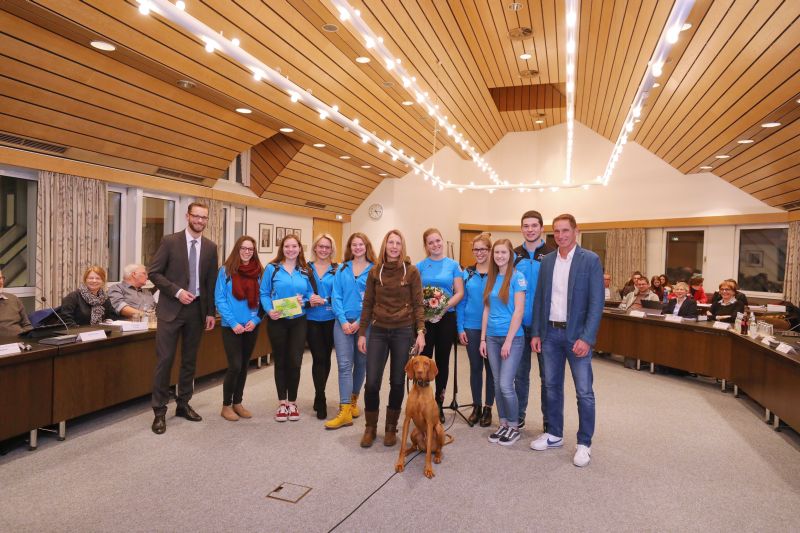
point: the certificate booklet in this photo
(287, 307)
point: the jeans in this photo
(382, 342)
(477, 363)
(320, 343)
(288, 340)
(523, 379)
(352, 363)
(439, 339)
(504, 371)
(238, 349)
(557, 350)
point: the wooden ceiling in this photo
(736, 68)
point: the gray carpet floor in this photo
(669, 454)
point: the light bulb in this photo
(144, 7)
(180, 4)
(235, 42)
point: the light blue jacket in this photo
(322, 313)
(469, 311)
(284, 285)
(348, 292)
(585, 296)
(232, 310)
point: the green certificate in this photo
(287, 307)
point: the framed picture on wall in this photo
(266, 238)
(280, 233)
(298, 234)
(754, 258)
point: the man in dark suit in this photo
(566, 316)
(184, 269)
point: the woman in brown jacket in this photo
(393, 308)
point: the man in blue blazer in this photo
(566, 316)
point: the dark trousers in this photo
(439, 339)
(238, 349)
(320, 342)
(188, 326)
(288, 339)
(522, 382)
(382, 342)
(477, 365)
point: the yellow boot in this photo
(344, 418)
(354, 406)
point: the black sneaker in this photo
(509, 437)
(498, 434)
(521, 423)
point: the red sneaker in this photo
(283, 413)
(294, 414)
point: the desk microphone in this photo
(44, 302)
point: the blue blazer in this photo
(585, 296)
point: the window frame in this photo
(664, 241)
(27, 175)
(140, 196)
(737, 252)
(124, 230)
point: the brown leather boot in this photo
(371, 428)
(390, 434)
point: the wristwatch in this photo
(421, 330)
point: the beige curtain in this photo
(71, 233)
(216, 225)
(791, 283)
(625, 252)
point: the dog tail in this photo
(448, 439)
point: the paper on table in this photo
(673, 318)
(287, 307)
(776, 308)
(638, 314)
(721, 325)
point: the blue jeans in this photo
(523, 379)
(557, 350)
(477, 363)
(504, 371)
(352, 363)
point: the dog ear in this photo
(410, 368)
(432, 370)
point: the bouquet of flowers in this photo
(435, 301)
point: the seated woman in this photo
(681, 305)
(656, 287)
(696, 290)
(725, 309)
(739, 294)
(89, 305)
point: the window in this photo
(762, 259)
(18, 231)
(238, 222)
(158, 219)
(595, 242)
(114, 234)
(684, 255)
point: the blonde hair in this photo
(316, 242)
(100, 271)
(729, 284)
(485, 238)
(494, 272)
(681, 285)
(403, 254)
(427, 233)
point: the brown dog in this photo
(428, 434)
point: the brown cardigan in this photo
(393, 298)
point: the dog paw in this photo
(437, 460)
(429, 472)
(399, 467)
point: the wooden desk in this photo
(26, 390)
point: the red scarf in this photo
(245, 283)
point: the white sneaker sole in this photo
(549, 446)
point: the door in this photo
(331, 227)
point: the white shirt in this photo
(558, 296)
(195, 266)
(608, 293)
(678, 304)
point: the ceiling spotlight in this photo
(318, 145)
(286, 130)
(330, 28)
(344, 157)
(407, 102)
(686, 26)
(706, 167)
(186, 84)
(722, 156)
(339, 217)
(526, 56)
(771, 125)
(656, 85)
(363, 59)
(104, 46)
(244, 110)
(540, 122)
(515, 6)
(180, 4)
(745, 141)
(383, 174)
(366, 166)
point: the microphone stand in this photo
(454, 403)
(44, 302)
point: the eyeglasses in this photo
(323, 247)
(480, 250)
(247, 249)
(197, 217)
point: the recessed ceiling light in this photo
(722, 156)
(706, 167)
(186, 84)
(244, 110)
(407, 103)
(540, 122)
(104, 46)
(366, 166)
(388, 84)
(319, 145)
(686, 26)
(286, 130)
(656, 85)
(383, 174)
(745, 141)
(330, 28)
(771, 125)
(515, 6)
(526, 56)
(638, 120)
(363, 59)
(339, 217)
(344, 157)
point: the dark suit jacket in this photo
(585, 296)
(169, 272)
(688, 308)
(76, 312)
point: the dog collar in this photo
(421, 383)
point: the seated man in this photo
(633, 300)
(630, 285)
(128, 297)
(13, 318)
(612, 294)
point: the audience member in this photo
(665, 282)
(611, 292)
(633, 300)
(89, 305)
(630, 285)
(717, 296)
(681, 305)
(13, 318)
(129, 297)
(696, 290)
(726, 308)
(656, 288)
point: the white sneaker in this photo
(545, 441)
(583, 454)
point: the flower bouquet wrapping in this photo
(435, 301)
